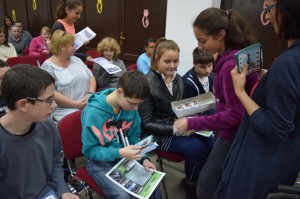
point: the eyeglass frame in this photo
(268, 9)
(132, 105)
(48, 101)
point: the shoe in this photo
(190, 188)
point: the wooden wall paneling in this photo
(107, 22)
(39, 15)
(142, 19)
(17, 10)
(253, 11)
(2, 12)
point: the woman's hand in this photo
(181, 125)
(239, 80)
(148, 165)
(80, 104)
(69, 196)
(86, 42)
(131, 152)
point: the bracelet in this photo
(90, 92)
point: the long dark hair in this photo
(63, 4)
(287, 17)
(4, 30)
(239, 32)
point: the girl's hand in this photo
(131, 152)
(239, 79)
(181, 125)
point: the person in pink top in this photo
(40, 44)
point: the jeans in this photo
(196, 150)
(212, 170)
(97, 171)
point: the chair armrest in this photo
(289, 189)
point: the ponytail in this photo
(239, 33)
(162, 44)
(63, 4)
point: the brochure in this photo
(147, 144)
(194, 105)
(205, 133)
(134, 179)
(84, 35)
(251, 55)
(109, 67)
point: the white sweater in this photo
(7, 52)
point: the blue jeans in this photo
(196, 149)
(51, 192)
(97, 171)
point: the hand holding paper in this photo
(131, 152)
(181, 124)
(239, 79)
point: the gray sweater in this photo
(104, 79)
(30, 165)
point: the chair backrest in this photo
(70, 132)
(26, 51)
(93, 53)
(26, 59)
(132, 67)
(42, 58)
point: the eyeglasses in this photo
(132, 105)
(269, 8)
(49, 101)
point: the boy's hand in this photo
(148, 165)
(69, 196)
(131, 152)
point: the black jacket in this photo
(156, 112)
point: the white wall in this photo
(179, 27)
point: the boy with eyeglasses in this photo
(30, 146)
(102, 145)
(198, 80)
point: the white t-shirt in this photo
(205, 83)
(72, 82)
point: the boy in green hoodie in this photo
(102, 145)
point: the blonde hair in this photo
(46, 29)
(161, 46)
(60, 39)
(109, 42)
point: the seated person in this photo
(158, 117)
(144, 60)
(102, 154)
(23, 33)
(30, 144)
(74, 82)
(41, 43)
(7, 23)
(109, 49)
(20, 43)
(3, 69)
(7, 50)
(198, 80)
